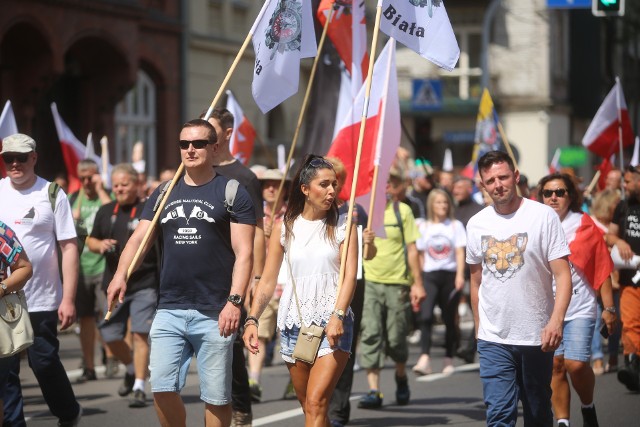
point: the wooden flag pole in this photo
(363, 122)
(303, 110)
(178, 173)
(593, 182)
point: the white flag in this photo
(282, 35)
(8, 127)
(431, 37)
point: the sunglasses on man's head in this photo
(197, 144)
(560, 192)
(19, 157)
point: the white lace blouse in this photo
(315, 263)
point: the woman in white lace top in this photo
(311, 242)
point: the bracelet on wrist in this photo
(252, 320)
(611, 309)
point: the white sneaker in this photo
(415, 337)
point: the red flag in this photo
(590, 254)
(602, 135)
(72, 149)
(604, 168)
(243, 135)
(348, 33)
(382, 130)
(8, 127)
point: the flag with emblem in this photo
(176, 213)
(423, 26)
(282, 35)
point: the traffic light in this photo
(607, 7)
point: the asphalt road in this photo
(437, 400)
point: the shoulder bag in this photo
(310, 337)
(16, 332)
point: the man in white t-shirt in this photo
(27, 208)
(515, 249)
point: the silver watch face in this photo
(235, 299)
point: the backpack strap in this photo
(53, 190)
(230, 192)
(163, 189)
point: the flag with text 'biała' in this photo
(348, 33)
(423, 26)
(602, 136)
(282, 35)
(243, 135)
(8, 127)
(382, 130)
(72, 149)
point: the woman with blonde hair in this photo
(441, 244)
(311, 240)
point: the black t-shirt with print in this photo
(197, 258)
(627, 217)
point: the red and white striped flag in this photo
(602, 136)
(381, 136)
(72, 149)
(8, 127)
(243, 135)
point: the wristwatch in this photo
(235, 299)
(3, 286)
(339, 314)
(611, 309)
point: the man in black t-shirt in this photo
(207, 261)
(227, 165)
(113, 224)
(624, 233)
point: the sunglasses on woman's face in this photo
(197, 144)
(560, 192)
(19, 157)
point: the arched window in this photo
(135, 120)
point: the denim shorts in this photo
(176, 336)
(577, 335)
(289, 337)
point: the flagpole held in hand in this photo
(363, 122)
(178, 173)
(303, 110)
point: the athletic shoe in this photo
(111, 367)
(127, 385)
(403, 394)
(563, 424)
(290, 392)
(139, 399)
(589, 418)
(372, 400)
(256, 391)
(72, 423)
(87, 375)
(241, 419)
(630, 375)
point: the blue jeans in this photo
(45, 362)
(510, 373)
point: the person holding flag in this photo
(591, 268)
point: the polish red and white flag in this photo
(381, 136)
(244, 134)
(8, 127)
(602, 136)
(72, 149)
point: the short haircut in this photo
(87, 164)
(493, 157)
(212, 137)
(224, 117)
(126, 168)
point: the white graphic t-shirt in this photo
(516, 293)
(439, 242)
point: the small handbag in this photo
(309, 337)
(16, 332)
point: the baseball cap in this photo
(18, 143)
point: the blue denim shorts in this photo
(289, 337)
(176, 336)
(577, 335)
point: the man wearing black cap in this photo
(42, 224)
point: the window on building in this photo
(135, 120)
(465, 80)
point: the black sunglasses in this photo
(560, 192)
(197, 143)
(319, 162)
(20, 158)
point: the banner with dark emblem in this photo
(282, 36)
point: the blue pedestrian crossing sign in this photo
(426, 95)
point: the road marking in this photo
(434, 377)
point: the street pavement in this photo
(436, 400)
